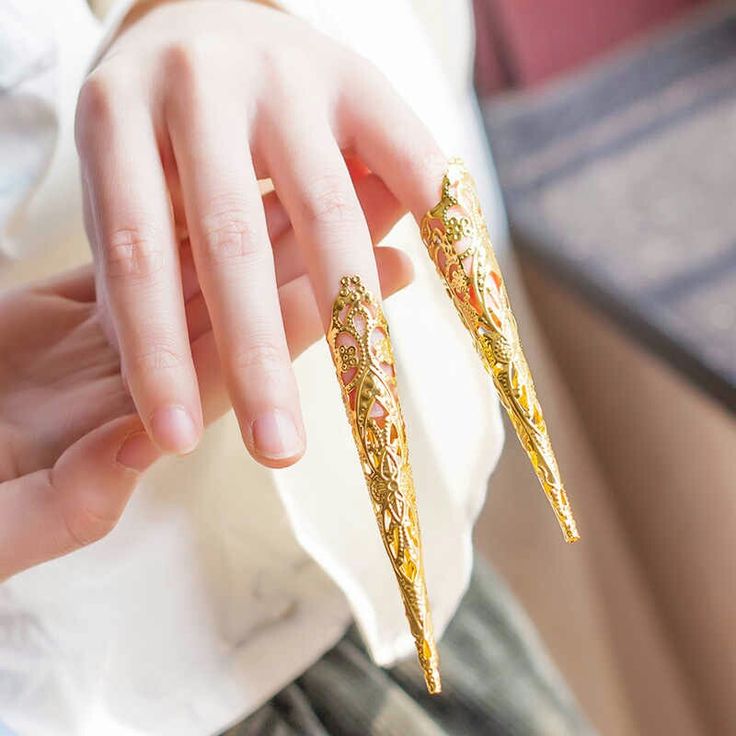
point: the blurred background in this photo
(613, 127)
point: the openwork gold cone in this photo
(459, 244)
(361, 349)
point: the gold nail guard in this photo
(361, 349)
(459, 244)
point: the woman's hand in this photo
(188, 109)
(71, 448)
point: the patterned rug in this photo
(622, 180)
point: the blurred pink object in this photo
(524, 42)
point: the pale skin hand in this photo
(188, 108)
(71, 447)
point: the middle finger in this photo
(233, 258)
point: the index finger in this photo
(137, 257)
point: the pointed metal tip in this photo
(429, 659)
(433, 682)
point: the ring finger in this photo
(314, 185)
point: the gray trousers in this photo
(497, 681)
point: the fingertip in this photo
(137, 452)
(174, 429)
(276, 440)
(279, 463)
(407, 265)
(395, 269)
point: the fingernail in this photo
(174, 430)
(137, 452)
(275, 436)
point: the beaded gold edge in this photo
(458, 242)
(361, 350)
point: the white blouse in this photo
(225, 580)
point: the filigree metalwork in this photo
(361, 350)
(459, 244)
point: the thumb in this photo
(51, 512)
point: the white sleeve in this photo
(45, 51)
(28, 116)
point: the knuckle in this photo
(185, 63)
(360, 79)
(424, 165)
(133, 253)
(425, 161)
(328, 203)
(285, 72)
(278, 64)
(86, 526)
(181, 61)
(229, 234)
(367, 71)
(159, 355)
(263, 356)
(94, 107)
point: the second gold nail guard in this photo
(361, 350)
(457, 240)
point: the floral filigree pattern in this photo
(348, 357)
(361, 350)
(459, 244)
